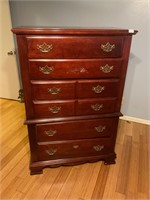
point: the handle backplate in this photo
(97, 107)
(44, 48)
(106, 68)
(50, 132)
(107, 47)
(98, 147)
(46, 69)
(55, 109)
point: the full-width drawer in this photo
(43, 90)
(80, 148)
(74, 47)
(71, 69)
(95, 106)
(53, 108)
(71, 130)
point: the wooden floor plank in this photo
(100, 182)
(123, 174)
(58, 183)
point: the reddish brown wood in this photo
(71, 31)
(97, 88)
(44, 90)
(59, 149)
(54, 108)
(74, 69)
(72, 130)
(95, 106)
(74, 64)
(74, 47)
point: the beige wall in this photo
(9, 81)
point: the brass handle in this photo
(98, 147)
(97, 107)
(50, 132)
(46, 69)
(51, 152)
(100, 128)
(106, 68)
(76, 146)
(107, 47)
(55, 109)
(98, 89)
(54, 90)
(44, 47)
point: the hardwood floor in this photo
(127, 179)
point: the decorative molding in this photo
(134, 119)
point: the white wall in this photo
(103, 13)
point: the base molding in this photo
(37, 167)
(134, 119)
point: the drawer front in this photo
(80, 148)
(44, 90)
(74, 47)
(58, 69)
(53, 108)
(75, 130)
(97, 88)
(96, 106)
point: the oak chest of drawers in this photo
(73, 82)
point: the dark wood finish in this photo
(95, 106)
(97, 88)
(54, 108)
(74, 69)
(72, 31)
(73, 82)
(72, 130)
(74, 47)
(66, 149)
(44, 90)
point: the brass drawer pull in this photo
(55, 109)
(100, 128)
(46, 69)
(50, 132)
(107, 47)
(98, 89)
(44, 47)
(51, 152)
(76, 146)
(54, 90)
(106, 68)
(98, 147)
(97, 107)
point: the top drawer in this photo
(74, 47)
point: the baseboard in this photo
(134, 119)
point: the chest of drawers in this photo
(73, 82)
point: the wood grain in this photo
(127, 179)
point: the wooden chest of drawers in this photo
(73, 82)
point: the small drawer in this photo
(72, 69)
(74, 47)
(53, 108)
(95, 106)
(44, 90)
(76, 148)
(97, 88)
(71, 130)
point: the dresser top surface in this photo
(71, 31)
